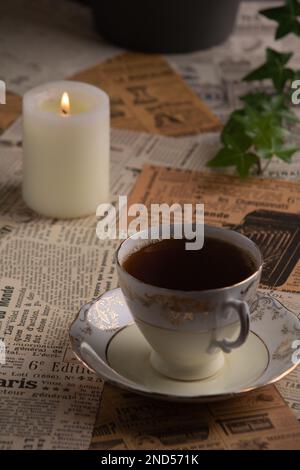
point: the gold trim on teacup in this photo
(173, 302)
(195, 332)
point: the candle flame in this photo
(65, 103)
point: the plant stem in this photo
(259, 168)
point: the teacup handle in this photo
(242, 309)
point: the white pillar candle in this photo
(66, 149)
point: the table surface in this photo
(48, 40)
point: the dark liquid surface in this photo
(168, 264)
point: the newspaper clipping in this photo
(148, 95)
(259, 420)
(50, 267)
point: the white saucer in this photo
(107, 341)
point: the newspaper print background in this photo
(28, 60)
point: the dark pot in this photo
(168, 26)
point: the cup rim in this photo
(193, 292)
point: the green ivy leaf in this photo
(282, 76)
(286, 153)
(277, 105)
(243, 161)
(296, 75)
(258, 129)
(273, 69)
(256, 100)
(265, 131)
(233, 135)
(225, 157)
(286, 17)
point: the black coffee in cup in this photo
(168, 264)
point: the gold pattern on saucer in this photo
(277, 341)
(284, 350)
(103, 314)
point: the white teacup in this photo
(189, 331)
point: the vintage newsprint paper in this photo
(216, 74)
(49, 268)
(148, 95)
(259, 420)
(55, 266)
(48, 400)
(64, 264)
